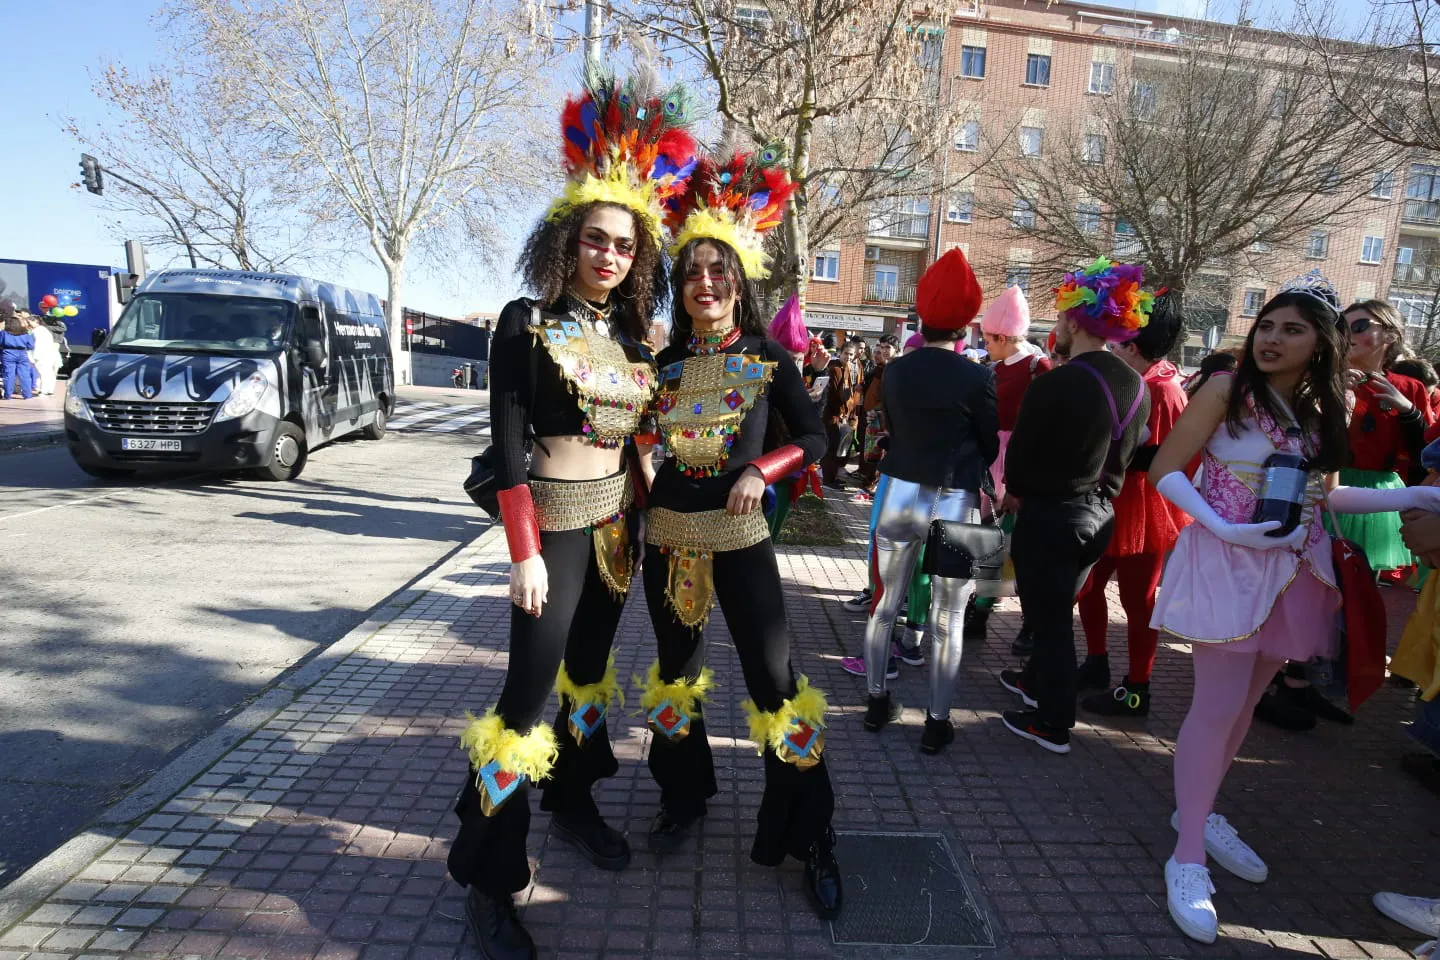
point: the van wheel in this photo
(106, 473)
(375, 429)
(287, 458)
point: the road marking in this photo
(57, 506)
(459, 423)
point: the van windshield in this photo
(202, 323)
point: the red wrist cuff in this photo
(780, 462)
(517, 513)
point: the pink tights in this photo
(1227, 686)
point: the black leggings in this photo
(576, 624)
(798, 805)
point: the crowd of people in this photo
(1093, 453)
(32, 351)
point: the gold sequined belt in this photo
(713, 531)
(573, 504)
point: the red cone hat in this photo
(948, 296)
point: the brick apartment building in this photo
(1036, 60)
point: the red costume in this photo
(1011, 381)
(1146, 527)
(1376, 440)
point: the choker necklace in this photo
(711, 343)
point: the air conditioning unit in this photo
(872, 254)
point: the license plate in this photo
(149, 443)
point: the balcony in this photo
(905, 228)
(899, 294)
(1422, 212)
(1422, 275)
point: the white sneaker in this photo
(1188, 890)
(1224, 846)
(1417, 913)
(860, 603)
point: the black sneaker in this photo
(597, 842)
(1017, 683)
(496, 926)
(822, 877)
(1309, 699)
(880, 711)
(908, 649)
(937, 736)
(668, 832)
(976, 620)
(1027, 724)
(1024, 644)
(1127, 700)
(1094, 673)
(1283, 714)
(860, 603)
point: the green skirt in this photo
(1377, 533)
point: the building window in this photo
(887, 284)
(1254, 300)
(827, 265)
(1372, 250)
(1330, 179)
(1279, 101)
(1102, 78)
(1414, 310)
(1087, 218)
(968, 139)
(1037, 70)
(1142, 101)
(1018, 276)
(1094, 149)
(1422, 193)
(961, 208)
(1032, 141)
(1319, 246)
(972, 62)
(1127, 244)
(1023, 213)
(1383, 187)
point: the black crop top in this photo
(705, 452)
(559, 402)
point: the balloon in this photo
(48, 301)
(72, 311)
(57, 312)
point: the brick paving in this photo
(323, 835)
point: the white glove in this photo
(1176, 488)
(1361, 500)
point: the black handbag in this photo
(965, 551)
(481, 485)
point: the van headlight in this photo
(76, 407)
(244, 398)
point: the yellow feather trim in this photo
(720, 225)
(602, 691)
(808, 705)
(487, 738)
(683, 694)
(616, 187)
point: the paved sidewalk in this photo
(323, 834)
(32, 422)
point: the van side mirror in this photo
(315, 355)
(97, 338)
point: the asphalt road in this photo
(137, 616)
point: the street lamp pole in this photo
(179, 227)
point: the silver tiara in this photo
(1316, 286)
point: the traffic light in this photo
(91, 173)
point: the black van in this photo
(225, 370)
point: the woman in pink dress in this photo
(1245, 600)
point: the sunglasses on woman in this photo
(1361, 324)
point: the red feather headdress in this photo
(736, 201)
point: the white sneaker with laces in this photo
(1188, 890)
(1224, 846)
(1417, 913)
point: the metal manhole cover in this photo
(905, 889)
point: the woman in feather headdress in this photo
(721, 379)
(571, 379)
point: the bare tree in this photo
(851, 88)
(419, 116)
(207, 184)
(1208, 159)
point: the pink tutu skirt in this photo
(1301, 625)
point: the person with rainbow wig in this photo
(1077, 430)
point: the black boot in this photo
(597, 842)
(497, 928)
(938, 734)
(1024, 644)
(1278, 712)
(880, 711)
(1094, 673)
(668, 832)
(822, 877)
(1127, 700)
(976, 620)
(1312, 701)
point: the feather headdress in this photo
(736, 201)
(1105, 298)
(626, 143)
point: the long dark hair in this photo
(1319, 403)
(747, 305)
(552, 255)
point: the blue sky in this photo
(56, 46)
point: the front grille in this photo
(130, 417)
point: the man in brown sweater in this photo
(841, 410)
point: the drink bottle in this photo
(1282, 489)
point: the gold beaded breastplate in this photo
(701, 404)
(613, 391)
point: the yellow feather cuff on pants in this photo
(503, 759)
(589, 702)
(796, 731)
(669, 707)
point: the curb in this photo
(57, 868)
(35, 438)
